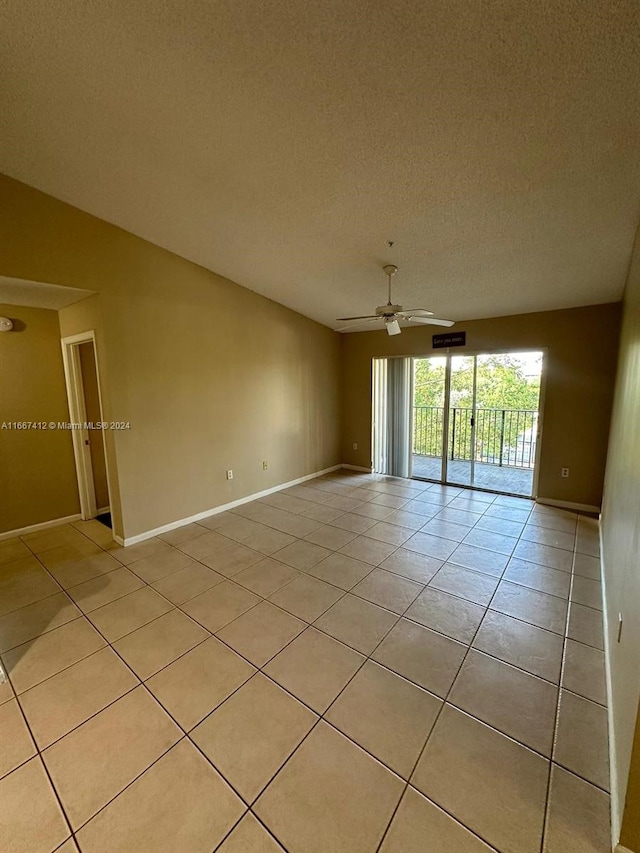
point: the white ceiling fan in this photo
(391, 314)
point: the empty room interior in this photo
(320, 427)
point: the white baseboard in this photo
(568, 505)
(356, 468)
(101, 510)
(140, 537)
(36, 528)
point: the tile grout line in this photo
(322, 717)
(141, 683)
(43, 764)
(435, 722)
(557, 712)
(368, 657)
(186, 734)
(230, 578)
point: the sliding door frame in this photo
(474, 403)
(445, 419)
(541, 400)
(412, 388)
(448, 354)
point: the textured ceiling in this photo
(282, 144)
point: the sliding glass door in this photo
(460, 458)
(475, 420)
(429, 420)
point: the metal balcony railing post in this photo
(453, 436)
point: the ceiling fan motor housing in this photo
(390, 310)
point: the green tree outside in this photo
(504, 383)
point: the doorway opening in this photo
(85, 409)
(476, 420)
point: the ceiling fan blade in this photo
(416, 311)
(365, 317)
(433, 321)
(352, 327)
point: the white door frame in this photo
(81, 436)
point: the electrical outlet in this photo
(564, 472)
(265, 465)
(229, 474)
(355, 445)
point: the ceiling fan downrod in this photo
(390, 270)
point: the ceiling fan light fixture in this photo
(393, 327)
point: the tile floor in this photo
(356, 664)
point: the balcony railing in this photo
(502, 436)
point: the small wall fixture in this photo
(5, 324)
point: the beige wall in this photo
(38, 470)
(581, 346)
(630, 835)
(209, 375)
(621, 556)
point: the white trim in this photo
(568, 505)
(75, 394)
(77, 414)
(356, 468)
(613, 775)
(80, 338)
(621, 849)
(36, 528)
(102, 509)
(140, 537)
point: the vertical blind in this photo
(391, 408)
